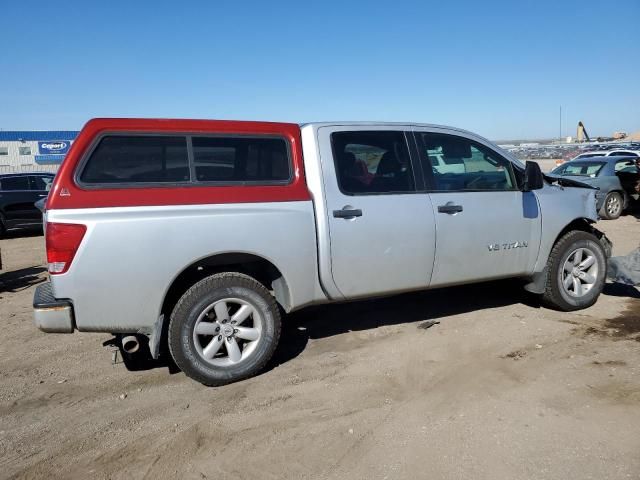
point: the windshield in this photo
(579, 169)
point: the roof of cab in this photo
(443, 128)
(381, 124)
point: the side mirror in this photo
(533, 178)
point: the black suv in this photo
(18, 194)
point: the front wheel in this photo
(576, 272)
(224, 328)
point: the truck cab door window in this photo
(372, 162)
(459, 164)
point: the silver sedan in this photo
(614, 176)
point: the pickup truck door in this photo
(487, 228)
(381, 229)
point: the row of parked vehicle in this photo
(631, 149)
(566, 152)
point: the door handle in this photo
(449, 208)
(347, 212)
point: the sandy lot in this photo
(500, 389)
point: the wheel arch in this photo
(583, 224)
(256, 266)
(538, 279)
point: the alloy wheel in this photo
(227, 332)
(580, 272)
(613, 205)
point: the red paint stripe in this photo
(190, 195)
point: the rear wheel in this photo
(225, 328)
(612, 207)
(575, 272)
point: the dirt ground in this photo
(500, 389)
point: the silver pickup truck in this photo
(191, 237)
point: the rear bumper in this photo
(51, 315)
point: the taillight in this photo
(63, 240)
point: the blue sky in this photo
(500, 68)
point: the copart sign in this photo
(54, 147)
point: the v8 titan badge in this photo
(494, 247)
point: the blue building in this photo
(34, 151)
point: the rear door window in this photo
(372, 162)
(583, 169)
(241, 159)
(14, 183)
(127, 159)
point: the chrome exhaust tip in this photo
(130, 344)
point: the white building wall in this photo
(13, 162)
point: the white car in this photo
(440, 164)
(602, 153)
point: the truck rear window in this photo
(138, 159)
(150, 159)
(240, 159)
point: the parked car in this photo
(614, 176)
(601, 153)
(441, 164)
(623, 153)
(191, 236)
(18, 194)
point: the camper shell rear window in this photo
(135, 160)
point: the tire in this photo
(201, 340)
(579, 287)
(612, 207)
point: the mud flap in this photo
(156, 337)
(538, 282)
